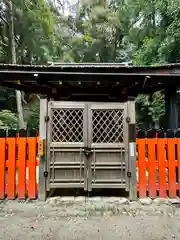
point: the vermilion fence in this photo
(158, 164)
(18, 162)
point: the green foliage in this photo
(158, 32)
(8, 119)
(157, 106)
(149, 111)
(146, 32)
(96, 31)
(34, 31)
(34, 25)
(31, 113)
(7, 99)
(148, 53)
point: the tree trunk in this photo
(12, 58)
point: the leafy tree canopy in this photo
(146, 32)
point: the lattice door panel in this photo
(107, 126)
(67, 125)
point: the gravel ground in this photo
(95, 218)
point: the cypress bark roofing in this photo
(65, 80)
(91, 66)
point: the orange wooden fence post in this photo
(2, 167)
(151, 142)
(16, 163)
(143, 163)
(172, 166)
(11, 191)
(142, 167)
(178, 162)
(162, 166)
(32, 141)
(21, 141)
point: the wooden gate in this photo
(88, 145)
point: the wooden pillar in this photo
(43, 159)
(171, 108)
(131, 120)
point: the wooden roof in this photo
(80, 81)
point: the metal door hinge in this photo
(46, 174)
(41, 146)
(129, 174)
(46, 118)
(128, 119)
